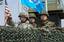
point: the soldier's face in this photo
(44, 17)
(23, 19)
(32, 20)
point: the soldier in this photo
(45, 22)
(32, 20)
(24, 23)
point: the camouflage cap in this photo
(32, 15)
(23, 15)
(45, 14)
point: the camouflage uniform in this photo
(20, 24)
(46, 24)
(26, 24)
(35, 26)
(32, 15)
(9, 21)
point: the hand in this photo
(8, 17)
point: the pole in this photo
(5, 13)
(46, 6)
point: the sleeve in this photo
(51, 24)
(10, 22)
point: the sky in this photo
(14, 7)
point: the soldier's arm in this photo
(9, 22)
(51, 24)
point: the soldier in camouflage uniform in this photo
(24, 23)
(32, 20)
(45, 22)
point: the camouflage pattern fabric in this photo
(24, 25)
(30, 35)
(35, 26)
(11, 23)
(48, 24)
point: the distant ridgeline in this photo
(12, 34)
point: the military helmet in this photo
(23, 15)
(45, 14)
(32, 15)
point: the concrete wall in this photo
(53, 5)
